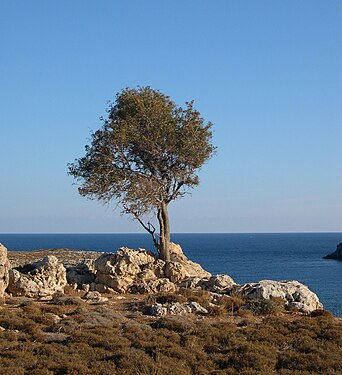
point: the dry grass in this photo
(69, 336)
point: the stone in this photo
(42, 278)
(176, 271)
(192, 269)
(190, 283)
(217, 283)
(294, 293)
(158, 310)
(177, 308)
(4, 269)
(196, 308)
(139, 271)
(119, 270)
(162, 285)
(94, 297)
(337, 254)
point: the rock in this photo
(189, 267)
(190, 283)
(94, 297)
(162, 285)
(337, 254)
(177, 308)
(120, 270)
(196, 308)
(176, 271)
(176, 253)
(4, 269)
(82, 273)
(292, 292)
(217, 283)
(138, 271)
(39, 279)
(158, 310)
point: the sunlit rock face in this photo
(294, 293)
(40, 279)
(4, 269)
(139, 271)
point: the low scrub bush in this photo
(104, 340)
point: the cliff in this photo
(337, 254)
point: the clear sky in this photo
(266, 73)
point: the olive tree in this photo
(146, 154)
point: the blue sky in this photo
(266, 73)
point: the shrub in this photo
(266, 307)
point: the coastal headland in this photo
(78, 312)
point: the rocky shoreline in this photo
(337, 254)
(78, 312)
(43, 273)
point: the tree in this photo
(145, 156)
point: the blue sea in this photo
(245, 257)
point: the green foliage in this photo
(147, 151)
(266, 307)
(146, 154)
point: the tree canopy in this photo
(146, 154)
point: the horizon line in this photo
(272, 232)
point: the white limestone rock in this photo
(39, 279)
(294, 293)
(177, 308)
(217, 283)
(4, 269)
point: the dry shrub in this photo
(170, 298)
(267, 307)
(200, 296)
(66, 301)
(105, 341)
(217, 310)
(175, 323)
(322, 314)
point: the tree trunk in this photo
(164, 225)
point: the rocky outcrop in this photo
(177, 308)
(292, 292)
(189, 267)
(337, 254)
(139, 271)
(4, 269)
(39, 279)
(125, 268)
(218, 284)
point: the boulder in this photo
(94, 297)
(4, 269)
(177, 308)
(337, 254)
(121, 270)
(190, 283)
(162, 285)
(176, 271)
(39, 279)
(217, 283)
(292, 292)
(138, 271)
(188, 266)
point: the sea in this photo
(246, 257)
